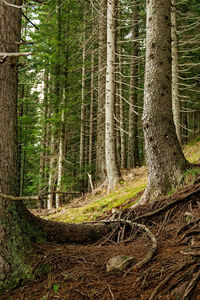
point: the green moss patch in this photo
(98, 206)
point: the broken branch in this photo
(37, 198)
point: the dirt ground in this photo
(78, 272)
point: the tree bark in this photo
(100, 147)
(44, 146)
(121, 117)
(60, 155)
(91, 140)
(133, 156)
(175, 73)
(110, 139)
(165, 159)
(120, 92)
(13, 244)
(82, 132)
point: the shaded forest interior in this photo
(92, 91)
(62, 92)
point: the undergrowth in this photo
(134, 182)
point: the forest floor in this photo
(78, 272)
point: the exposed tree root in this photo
(191, 286)
(184, 197)
(187, 226)
(152, 250)
(167, 279)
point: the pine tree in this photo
(165, 159)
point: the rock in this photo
(119, 263)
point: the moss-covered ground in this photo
(90, 207)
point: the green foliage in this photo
(188, 218)
(55, 288)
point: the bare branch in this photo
(12, 5)
(37, 198)
(17, 54)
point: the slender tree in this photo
(133, 156)
(165, 159)
(175, 73)
(110, 139)
(100, 152)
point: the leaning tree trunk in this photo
(110, 144)
(165, 159)
(18, 227)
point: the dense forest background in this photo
(64, 84)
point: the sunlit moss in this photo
(192, 151)
(98, 206)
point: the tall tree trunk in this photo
(121, 116)
(14, 246)
(165, 159)
(100, 151)
(110, 135)
(51, 169)
(44, 146)
(22, 137)
(133, 155)
(60, 155)
(82, 131)
(175, 73)
(91, 140)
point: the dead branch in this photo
(37, 198)
(13, 5)
(15, 54)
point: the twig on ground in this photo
(165, 220)
(111, 292)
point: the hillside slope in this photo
(128, 191)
